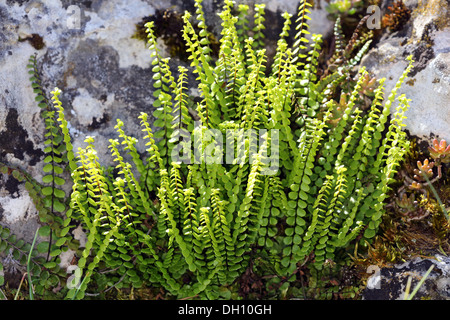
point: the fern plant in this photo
(193, 223)
(57, 160)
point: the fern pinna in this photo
(266, 170)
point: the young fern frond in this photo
(281, 45)
(242, 24)
(182, 122)
(277, 202)
(339, 39)
(138, 196)
(164, 84)
(385, 113)
(354, 40)
(301, 191)
(344, 57)
(164, 116)
(324, 248)
(358, 56)
(307, 98)
(55, 162)
(130, 147)
(251, 91)
(92, 200)
(258, 34)
(399, 146)
(335, 138)
(203, 34)
(207, 110)
(301, 32)
(229, 66)
(371, 134)
(190, 224)
(154, 159)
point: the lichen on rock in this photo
(425, 35)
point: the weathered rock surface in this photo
(426, 36)
(390, 283)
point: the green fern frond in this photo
(258, 34)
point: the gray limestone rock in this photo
(426, 37)
(390, 283)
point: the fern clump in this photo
(264, 172)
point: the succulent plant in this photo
(440, 151)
